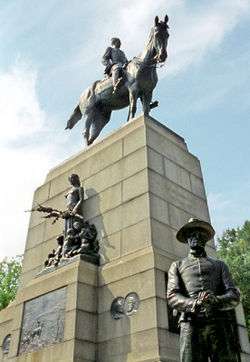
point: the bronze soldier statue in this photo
(74, 200)
(201, 288)
(115, 60)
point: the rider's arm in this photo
(106, 59)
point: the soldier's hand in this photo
(210, 299)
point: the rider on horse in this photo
(115, 60)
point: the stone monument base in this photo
(141, 184)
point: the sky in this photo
(51, 51)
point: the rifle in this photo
(53, 213)
(50, 211)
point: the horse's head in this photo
(160, 39)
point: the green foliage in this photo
(10, 270)
(234, 249)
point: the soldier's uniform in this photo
(206, 332)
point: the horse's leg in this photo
(146, 99)
(101, 119)
(87, 129)
(133, 95)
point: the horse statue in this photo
(140, 79)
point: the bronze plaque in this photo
(43, 321)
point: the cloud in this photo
(196, 32)
(24, 163)
(20, 111)
(195, 29)
(229, 209)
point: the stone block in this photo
(197, 186)
(244, 341)
(159, 209)
(33, 258)
(134, 140)
(86, 299)
(97, 204)
(143, 284)
(134, 162)
(29, 275)
(72, 294)
(160, 282)
(35, 219)
(109, 328)
(135, 210)
(87, 273)
(135, 185)
(135, 237)
(110, 247)
(84, 351)
(86, 326)
(177, 174)
(53, 230)
(240, 316)
(178, 217)
(60, 184)
(169, 345)
(70, 325)
(100, 160)
(42, 193)
(181, 198)
(17, 315)
(129, 265)
(35, 236)
(163, 131)
(108, 223)
(173, 152)
(117, 172)
(155, 161)
(163, 261)
(140, 346)
(162, 236)
(162, 313)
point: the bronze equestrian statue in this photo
(139, 80)
(201, 289)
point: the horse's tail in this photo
(86, 103)
(88, 99)
(74, 118)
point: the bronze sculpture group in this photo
(125, 83)
(79, 236)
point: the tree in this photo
(10, 270)
(234, 249)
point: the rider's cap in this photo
(114, 40)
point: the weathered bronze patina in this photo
(201, 288)
(127, 82)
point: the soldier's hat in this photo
(192, 225)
